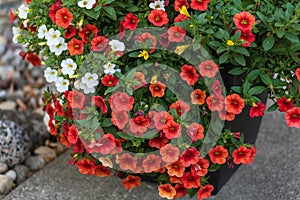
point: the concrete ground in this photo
(275, 175)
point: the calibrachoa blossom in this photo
(180, 107)
(167, 191)
(205, 192)
(199, 4)
(285, 104)
(158, 17)
(157, 89)
(244, 21)
(152, 163)
(109, 68)
(131, 182)
(257, 110)
(176, 34)
(190, 180)
(88, 4)
(241, 155)
(198, 97)
(127, 162)
(75, 47)
(169, 153)
(131, 21)
(23, 12)
(68, 67)
(62, 84)
(33, 59)
(172, 130)
(195, 131)
(298, 73)
(208, 68)
(87, 30)
(189, 157)
(86, 166)
(116, 45)
(234, 104)
(59, 47)
(42, 31)
(180, 3)
(218, 155)
(176, 169)
(109, 80)
(99, 43)
(189, 74)
(158, 5)
(247, 37)
(292, 117)
(63, 17)
(50, 75)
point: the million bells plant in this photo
(129, 121)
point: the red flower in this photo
(215, 103)
(158, 17)
(189, 74)
(151, 163)
(121, 29)
(157, 89)
(109, 80)
(218, 155)
(76, 99)
(72, 134)
(169, 153)
(158, 142)
(176, 34)
(86, 166)
(201, 168)
(99, 43)
(147, 37)
(172, 130)
(217, 88)
(78, 147)
(180, 18)
(166, 191)
(234, 104)
(106, 144)
(131, 182)
(52, 127)
(138, 126)
(176, 169)
(284, 104)
(12, 16)
(102, 171)
(75, 47)
(140, 77)
(99, 102)
(292, 117)
(251, 157)
(244, 21)
(180, 191)
(180, 106)
(164, 40)
(121, 102)
(190, 180)
(199, 4)
(53, 9)
(189, 157)
(63, 17)
(119, 119)
(160, 119)
(195, 131)
(208, 68)
(247, 37)
(34, 59)
(87, 30)
(205, 192)
(241, 155)
(257, 110)
(131, 21)
(127, 162)
(71, 31)
(297, 72)
(179, 3)
(198, 97)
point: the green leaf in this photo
(280, 33)
(239, 59)
(149, 135)
(266, 79)
(241, 50)
(246, 87)
(253, 74)
(125, 136)
(110, 12)
(108, 1)
(293, 37)
(223, 58)
(106, 122)
(192, 192)
(132, 8)
(58, 118)
(92, 13)
(237, 89)
(268, 43)
(236, 71)
(214, 168)
(256, 90)
(273, 107)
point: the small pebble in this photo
(8, 105)
(35, 162)
(12, 174)
(22, 172)
(3, 168)
(47, 153)
(6, 184)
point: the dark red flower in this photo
(176, 34)
(99, 102)
(87, 30)
(71, 31)
(284, 104)
(72, 134)
(189, 74)
(190, 180)
(247, 37)
(131, 21)
(34, 59)
(158, 142)
(172, 130)
(180, 107)
(53, 9)
(86, 166)
(201, 168)
(257, 110)
(189, 157)
(205, 192)
(99, 43)
(138, 126)
(109, 80)
(76, 99)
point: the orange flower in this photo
(215, 103)
(198, 97)
(208, 68)
(253, 154)
(131, 182)
(176, 169)
(172, 130)
(157, 89)
(169, 153)
(160, 119)
(176, 34)
(175, 179)
(218, 155)
(102, 171)
(64, 141)
(201, 168)
(180, 106)
(138, 126)
(234, 104)
(167, 191)
(86, 166)
(72, 135)
(63, 18)
(205, 192)
(151, 163)
(75, 47)
(190, 157)
(87, 30)
(189, 74)
(99, 43)
(224, 115)
(292, 117)
(195, 131)
(190, 181)
(127, 162)
(119, 119)
(241, 155)
(180, 191)
(121, 102)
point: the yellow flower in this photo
(74, 76)
(184, 11)
(153, 79)
(144, 54)
(230, 43)
(180, 49)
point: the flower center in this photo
(157, 18)
(244, 22)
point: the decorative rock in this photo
(60, 149)
(47, 153)
(35, 162)
(3, 168)
(8, 105)
(22, 172)
(3, 42)
(6, 184)
(14, 143)
(12, 174)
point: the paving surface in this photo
(275, 175)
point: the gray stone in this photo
(6, 184)
(3, 42)
(35, 162)
(3, 168)
(12, 174)
(8, 105)
(22, 172)
(14, 143)
(47, 153)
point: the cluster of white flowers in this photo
(88, 4)
(87, 83)
(23, 12)
(158, 5)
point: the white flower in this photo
(60, 47)
(116, 45)
(42, 31)
(68, 67)
(106, 162)
(17, 33)
(25, 23)
(87, 89)
(158, 5)
(23, 11)
(109, 68)
(62, 84)
(88, 4)
(52, 37)
(77, 84)
(50, 75)
(90, 80)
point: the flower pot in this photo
(243, 123)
